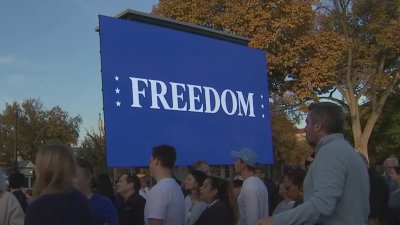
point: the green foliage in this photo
(354, 49)
(36, 126)
(385, 139)
(92, 148)
(289, 145)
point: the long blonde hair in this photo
(55, 167)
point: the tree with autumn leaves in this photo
(345, 51)
(27, 126)
(287, 22)
(355, 50)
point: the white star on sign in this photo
(117, 91)
(262, 106)
(118, 103)
(116, 78)
(262, 115)
(262, 96)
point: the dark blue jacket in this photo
(61, 209)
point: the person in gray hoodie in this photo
(336, 187)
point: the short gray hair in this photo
(392, 159)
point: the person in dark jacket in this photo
(130, 204)
(273, 192)
(16, 181)
(378, 197)
(214, 192)
(55, 201)
(394, 201)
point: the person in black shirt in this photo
(214, 192)
(16, 181)
(273, 192)
(130, 204)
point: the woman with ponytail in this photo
(214, 192)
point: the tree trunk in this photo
(363, 148)
(355, 121)
(361, 137)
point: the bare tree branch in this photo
(347, 3)
(333, 91)
(364, 89)
(343, 92)
(378, 108)
(389, 89)
(381, 65)
(349, 81)
(339, 7)
(323, 7)
(340, 102)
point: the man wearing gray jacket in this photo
(336, 188)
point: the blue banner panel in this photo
(204, 96)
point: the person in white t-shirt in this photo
(253, 197)
(165, 203)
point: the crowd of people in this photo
(337, 187)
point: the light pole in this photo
(15, 141)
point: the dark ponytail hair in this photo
(199, 176)
(225, 191)
(132, 178)
(222, 187)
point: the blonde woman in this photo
(55, 201)
(10, 210)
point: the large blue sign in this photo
(204, 96)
